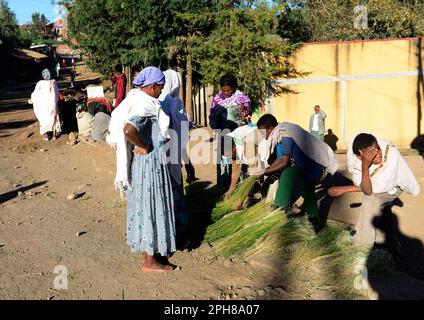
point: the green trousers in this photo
(285, 189)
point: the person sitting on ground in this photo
(299, 157)
(381, 174)
(45, 101)
(119, 81)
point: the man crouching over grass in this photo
(298, 157)
(381, 174)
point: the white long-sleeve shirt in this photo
(393, 172)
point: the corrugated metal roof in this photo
(27, 54)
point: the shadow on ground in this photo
(407, 282)
(201, 199)
(13, 194)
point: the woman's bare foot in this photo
(151, 264)
(157, 268)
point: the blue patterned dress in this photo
(150, 211)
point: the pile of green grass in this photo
(326, 262)
(242, 240)
(236, 201)
(231, 223)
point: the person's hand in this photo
(336, 191)
(368, 156)
(259, 176)
(142, 151)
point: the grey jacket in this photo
(321, 122)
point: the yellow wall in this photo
(387, 106)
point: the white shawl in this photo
(44, 99)
(310, 145)
(137, 103)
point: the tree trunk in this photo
(127, 72)
(180, 72)
(189, 87)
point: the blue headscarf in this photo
(148, 76)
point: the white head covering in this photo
(46, 74)
(172, 84)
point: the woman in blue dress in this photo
(150, 212)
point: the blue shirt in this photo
(288, 147)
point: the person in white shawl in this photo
(139, 131)
(381, 174)
(44, 99)
(295, 156)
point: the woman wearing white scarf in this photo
(179, 137)
(44, 99)
(140, 126)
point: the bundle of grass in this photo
(325, 263)
(277, 242)
(236, 201)
(235, 221)
(242, 240)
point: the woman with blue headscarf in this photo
(139, 131)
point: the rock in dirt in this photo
(72, 196)
(80, 233)
(43, 150)
(17, 185)
(25, 135)
(21, 195)
(261, 292)
(227, 297)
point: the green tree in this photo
(9, 30)
(333, 20)
(244, 42)
(38, 24)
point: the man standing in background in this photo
(317, 123)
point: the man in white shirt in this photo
(317, 123)
(380, 172)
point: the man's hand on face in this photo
(367, 156)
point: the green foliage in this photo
(244, 42)
(38, 24)
(12, 35)
(132, 32)
(333, 20)
(9, 30)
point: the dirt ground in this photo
(40, 229)
(39, 226)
